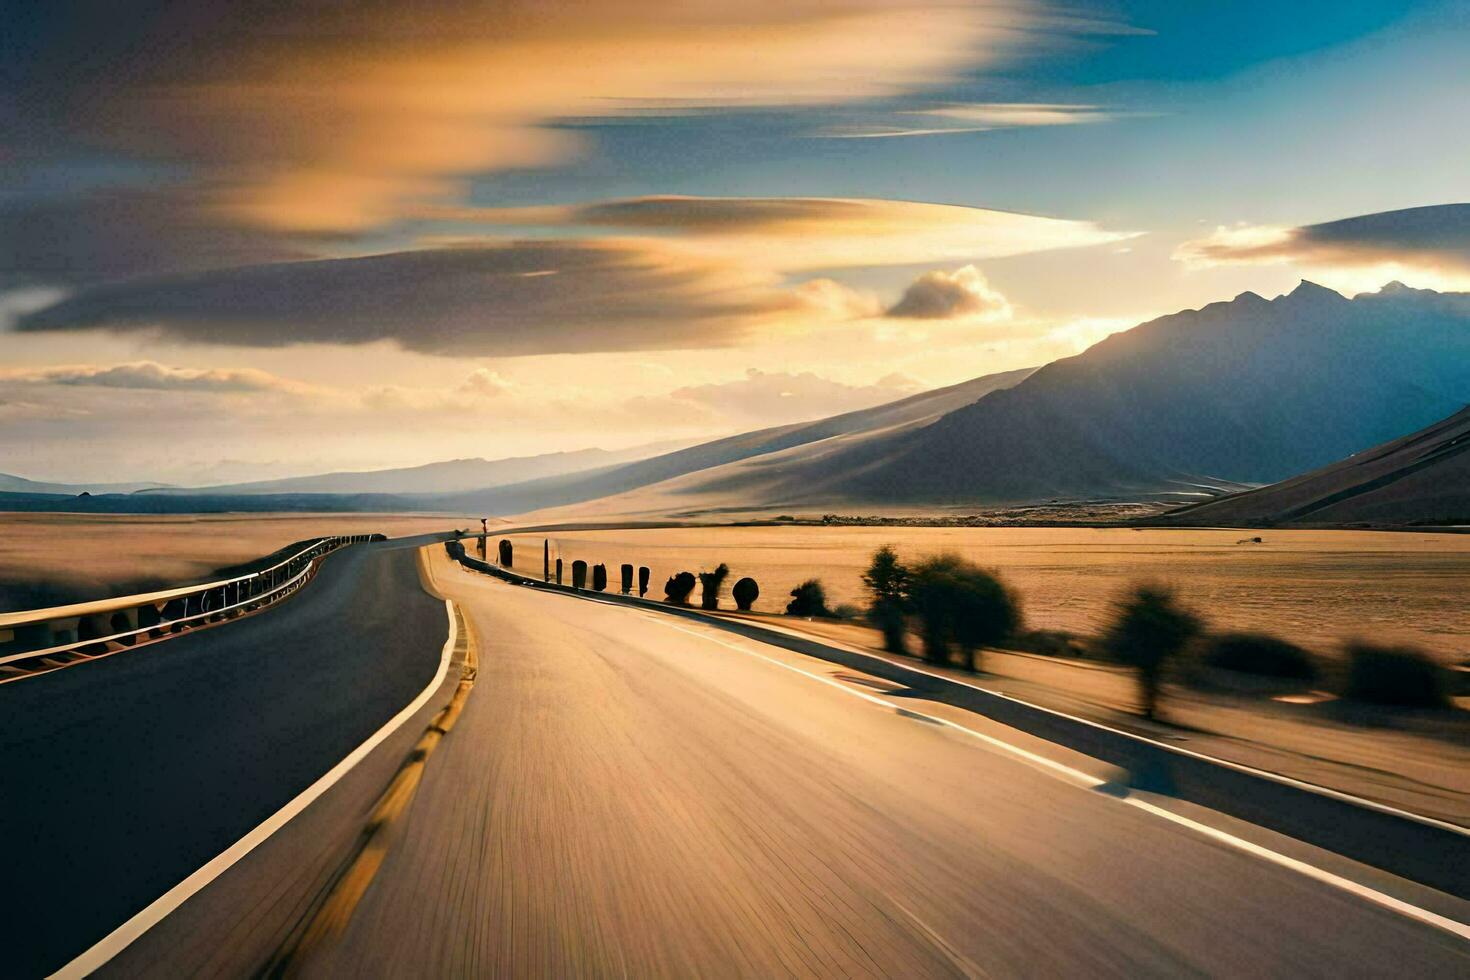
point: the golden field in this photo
(48, 559)
(1315, 587)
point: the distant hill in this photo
(579, 488)
(450, 476)
(1423, 478)
(19, 484)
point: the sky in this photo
(246, 240)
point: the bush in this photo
(678, 588)
(599, 577)
(710, 585)
(1397, 676)
(961, 604)
(1050, 643)
(808, 599)
(1260, 654)
(846, 610)
(1149, 629)
(746, 591)
(887, 583)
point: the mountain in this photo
(1243, 392)
(1423, 478)
(450, 476)
(19, 484)
(1196, 404)
(798, 439)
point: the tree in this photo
(960, 604)
(887, 581)
(1149, 629)
(678, 588)
(710, 585)
(746, 591)
(808, 599)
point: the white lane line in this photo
(1087, 781)
(1275, 777)
(121, 937)
(1311, 871)
(1077, 776)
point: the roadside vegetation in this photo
(808, 599)
(678, 588)
(1149, 629)
(710, 584)
(955, 609)
(1400, 677)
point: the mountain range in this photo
(1195, 405)
(449, 476)
(1422, 478)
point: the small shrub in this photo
(746, 591)
(808, 599)
(1397, 676)
(710, 585)
(961, 604)
(678, 588)
(887, 583)
(1050, 643)
(1260, 654)
(846, 610)
(1149, 629)
(599, 577)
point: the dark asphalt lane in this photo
(119, 778)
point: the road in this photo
(631, 794)
(124, 775)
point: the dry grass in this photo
(1312, 587)
(46, 559)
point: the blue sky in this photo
(1104, 163)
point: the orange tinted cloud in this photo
(1429, 246)
(336, 120)
(793, 234)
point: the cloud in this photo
(709, 272)
(973, 117)
(336, 117)
(151, 376)
(1428, 245)
(124, 233)
(805, 233)
(941, 295)
(491, 300)
(772, 397)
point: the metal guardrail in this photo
(88, 628)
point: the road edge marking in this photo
(126, 934)
(1067, 774)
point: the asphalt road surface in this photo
(630, 794)
(120, 777)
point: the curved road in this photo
(630, 794)
(120, 777)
